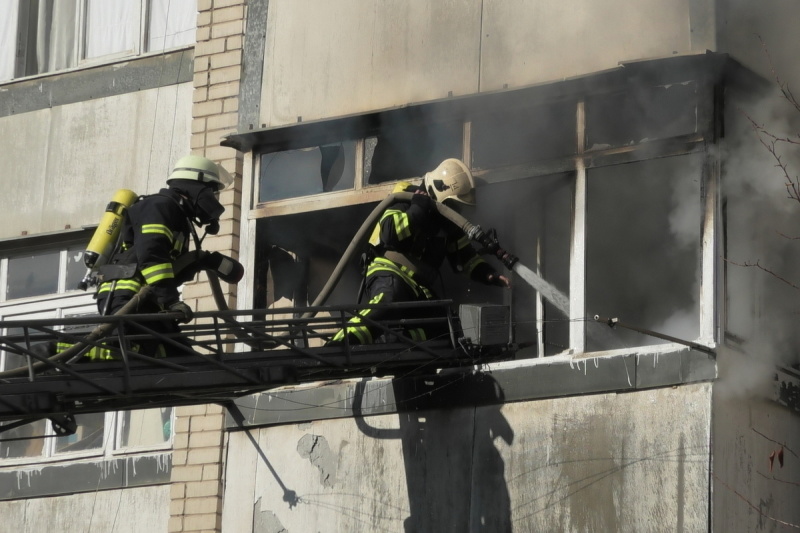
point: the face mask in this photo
(207, 207)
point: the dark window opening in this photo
(533, 220)
(517, 136)
(642, 114)
(409, 150)
(643, 229)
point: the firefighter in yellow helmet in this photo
(410, 242)
(155, 234)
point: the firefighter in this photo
(154, 235)
(408, 246)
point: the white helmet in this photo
(195, 167)
(451, 180)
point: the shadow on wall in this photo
(455, 475)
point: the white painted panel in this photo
(608, 462)
(66, 162)
(532, 41)
(326, 59)
(131, 510)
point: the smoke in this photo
(761, 252)
(742, 376)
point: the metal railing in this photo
(218, 357)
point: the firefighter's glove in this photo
(184, 310)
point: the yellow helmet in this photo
(451, 180)
(198, 168)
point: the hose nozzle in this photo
(491, 245)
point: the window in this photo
(307, 171)
(507, 137)
(600, 196)
(404, 150)
(40, 36)
(42, 284)
(642, 114)
(41, 272)
(643, 250)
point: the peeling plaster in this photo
(315, 448)
(266, 521)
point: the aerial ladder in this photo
(226, 354)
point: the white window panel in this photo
(112, 27)
(172, 23)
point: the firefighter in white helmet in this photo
(409, 244)
(155, 234)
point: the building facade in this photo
(616, 152)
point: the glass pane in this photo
(32, 275)
(307, 171)
(643, 250)
(532, 218)
(146, 427)
(8, 38)
(48, 36)
(649, 113)
(172, 23)
(523, 135)
(409, 150)
(12, 449)
(112, 26)
(75, 268)
(89, 435)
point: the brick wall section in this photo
(196, 495)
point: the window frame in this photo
(58, 305)
(583, 159)
(79, 59)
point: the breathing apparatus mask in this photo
(202, 203)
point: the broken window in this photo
(643, 229)
(514, 136)
(639, 115)
(307, 171)
(403, 150)
(532, 218)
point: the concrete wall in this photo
(66, 161)
(755, 489)
(326, 59)
(608, 462)
(130, 510)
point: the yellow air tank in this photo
(105, 236)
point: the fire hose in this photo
(474, 232)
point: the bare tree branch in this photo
(765, 269)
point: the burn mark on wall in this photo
(315, 448)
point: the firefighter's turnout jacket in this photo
(154, 234)
(410, 242)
